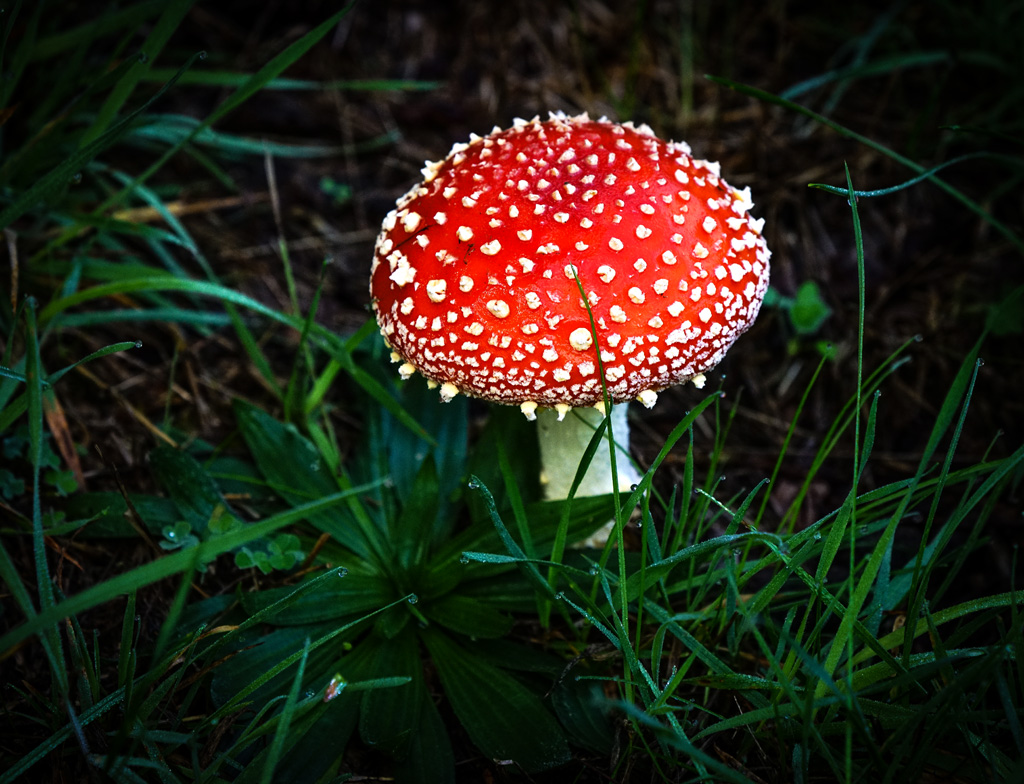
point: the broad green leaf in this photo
(107, 513)
(515, 656)
(191, 489)
(468, 616)
(412, 528)
(319, 740)
(347, 594)
(503, 718)
(507, 590)
(406, 451)
(388, 718)
(430, 759)
(166, 566)
(258, 653)
(584, 711)
(809, 311)
(519, 440)
(543, 516)
(296, 472)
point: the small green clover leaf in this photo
(808, 311)
(282, 552)
(11, 486)
(62, 481)
(338, 192)
(221, 522)
(178, 536)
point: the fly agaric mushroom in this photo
(474, 276)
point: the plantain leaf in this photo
(411, 529)
(585, 712)
(258, 653)
(320, 738)
(468, 616)
(587, 515)
(295, 471)
(192, 490)
(388, 718)
(503, 718)
(430, 759)
(108, 513)
(346, 595)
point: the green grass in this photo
(400, 587)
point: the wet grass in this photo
(240, 549)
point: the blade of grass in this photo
(169, 21)
(49, 634)
(252, 85)
(529, 569)
(61, 174)
(28, 39)
(922, 571)
(131, 17)
(285, 720)
(219, 78)
(972, 205)
(169, 565)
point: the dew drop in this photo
(138, 344)
(817, 536)
(76, 178)
(202, 55)
(343, 572)
(633, 487)
(595, 570)
(560, 596)
(464, 559)
(413, 598)
(473, 484)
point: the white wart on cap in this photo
(474, 273)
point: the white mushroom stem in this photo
(562, 444)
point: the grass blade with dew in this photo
(60, 175)
(161, 31)
(169, 565)
(48, 634)
(972, 205)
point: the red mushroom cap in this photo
(474, 272)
